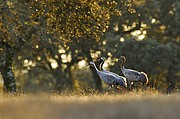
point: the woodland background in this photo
(45, 45)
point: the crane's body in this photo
(133, 75)
(110, 79)
(102, 59)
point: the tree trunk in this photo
(7, 72)
(86, 51)
(98, 83)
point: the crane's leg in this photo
(144, 87)
(135, 86)
(124, 90)
(109, 88)
(128, 84)
(115, 89)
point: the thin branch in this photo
(2, 43)
(137, 27)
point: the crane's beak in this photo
(98, 60)
(88, 65)
(120, 59)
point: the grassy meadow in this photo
(141, 105)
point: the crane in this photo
(102, 60)
(110, 79)
(133, 75)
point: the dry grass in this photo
(143, 105)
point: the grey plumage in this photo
(133, 75)
(110, 79)
(102, 60)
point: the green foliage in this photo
(77, 19)
(159, 61)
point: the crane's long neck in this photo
(96, 68)
(101, 65)
(122, 66)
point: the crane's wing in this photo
(132, 75)
(107, 78)
(116, 79)
(105, 71)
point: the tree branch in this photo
(137, 27)
(3, 43)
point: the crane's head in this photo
(91, 63)
(122, 58)
(102, 59)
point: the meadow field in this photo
(143, 105)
